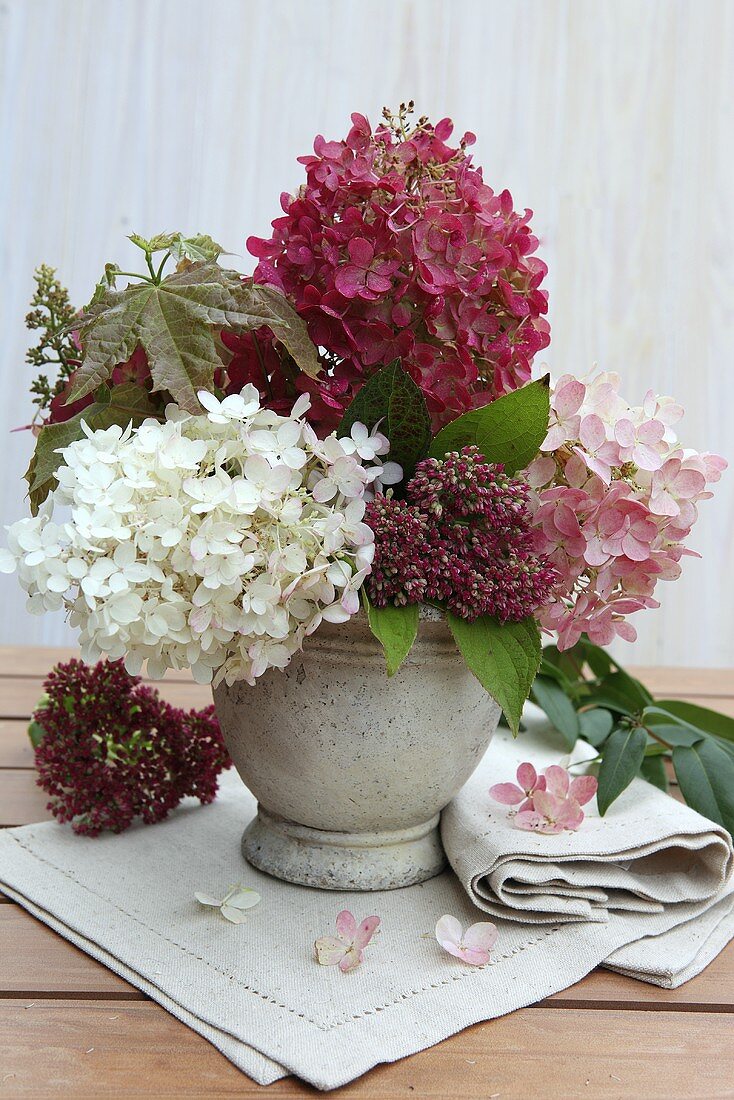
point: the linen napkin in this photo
(645, 854)
(255, 990)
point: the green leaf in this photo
(195, 249)
(504, 658)
(286, 326)
(653, 770)
(623, 754)
(125, 403)
(551, 698)
(705, 774)
(710, 721)
(597, 659)
(674, 735)
(620, 693)
(395, 629)
(177, 322)
(509, 430)
(36, 733)
(595, 725)
(391, 397)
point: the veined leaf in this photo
(287, 326)
(624, 750)
(503, 657)
(705, 774)
(392, 398)
(177, 323)
(509, 430)
(125, 403)
(395, 629)
(551, 698)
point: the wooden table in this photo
(69, 1027)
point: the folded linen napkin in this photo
(255, 991)
(646, 854)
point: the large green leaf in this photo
(177, 322)
(624, 751)
(126, 403)
(395, 629)
(705, 774)
(503, 657)
(392, 399)
(551, 698)
(509, 430)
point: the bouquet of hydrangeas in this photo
(354, 424)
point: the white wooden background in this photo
(612, 119)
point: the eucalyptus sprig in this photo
(587, 694)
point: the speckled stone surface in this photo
(351, 768)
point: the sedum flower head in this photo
(112, 750)
(462, 539)
(217, 542)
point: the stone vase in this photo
(351, 769)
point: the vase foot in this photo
(343, 861)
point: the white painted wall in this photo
(612, 119)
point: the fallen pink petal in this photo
(472, 946)
(346, 949)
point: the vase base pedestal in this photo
(343, 861)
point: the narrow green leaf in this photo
(595, 725)
(509, 430)
(673, 734)
(623, 754)
(392, 398)
(653, 770)
(503, 657)
(721, 725)
(620, 693)
(705, 776)
(551, 698)
(597, 659)
(395, 629)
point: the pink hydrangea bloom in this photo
(395, 246)
(615, 498)
(472, 946)
(346, 949)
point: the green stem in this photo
(151, 269)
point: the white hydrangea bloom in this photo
(217, 542)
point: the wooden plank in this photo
(92, 1050)
(21, 801)
(34, 960)
(37, 661)
(38, 962)
(19, 695)
(670, 681)
(15, 748)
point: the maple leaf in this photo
(177, 321)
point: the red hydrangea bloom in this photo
(395, 246)
(425, 551)
(112, 750)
